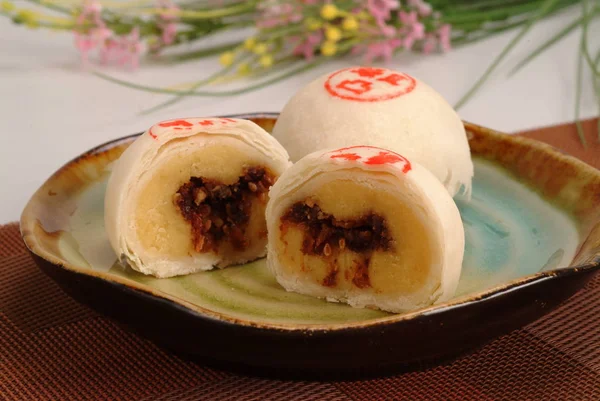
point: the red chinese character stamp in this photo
(187, 125)
(367, 84)
(371, 156)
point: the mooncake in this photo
(190, 194)
(365, 226)
(384, 108)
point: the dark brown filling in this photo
(219, 212)
(323, 233)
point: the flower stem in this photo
(484, 34)
(250, 88)
(52, 6)
(556, 38)
(204, 15)
(483, 5)
(584, 46)
(597, 90)
(490, 15)
(546, 7)
(204, 52)
(195, 86)
(578, 82)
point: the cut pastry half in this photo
(364, 225)
(190, 194)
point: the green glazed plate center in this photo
(510, 230)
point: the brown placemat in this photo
(52, 348)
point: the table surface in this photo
(52, 110)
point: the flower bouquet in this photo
(276, 39)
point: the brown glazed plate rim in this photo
(29, 220)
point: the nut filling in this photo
(324, 235)
(219, 213)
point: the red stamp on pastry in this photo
(371, 156)
(187, 125)
(175, 124)
(368, 84)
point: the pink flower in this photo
(92, 11)
(131, 47)
(381, 10)
(408, 42)
(418, 30)
(412, 30)
(268, 22)
(170, 9)
(308, 46)
(358, 49)
(97, 35)
(445, 32)
(429, 45)
(84, 44)
(110, 51)
(388, 30)
(169, 32)
(408, 19)
(383, 50)
(423, 8)
(277, 15)
(167, 22)
(295, 18)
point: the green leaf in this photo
(195, 86)
(545, 9)
(584, 47)
(250, 88)
(52, 6)
(578, 79)
(597, 90)
(556, 38)
(210, 51)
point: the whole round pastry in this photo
(190, 194)
(379, 107)
(365, 226)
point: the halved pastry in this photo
(365, 226)
(190, 194)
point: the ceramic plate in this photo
(532, 240)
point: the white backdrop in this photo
(51, 110)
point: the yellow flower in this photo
(249, 44)
(350, 24)
(27, 18)
(260, 48)
(333, 34)
(312, 24)
(266, 61)
(244, 69)
(363, 15)
(328, 48)
(7, 6)
(226, 59)
(329, 11)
